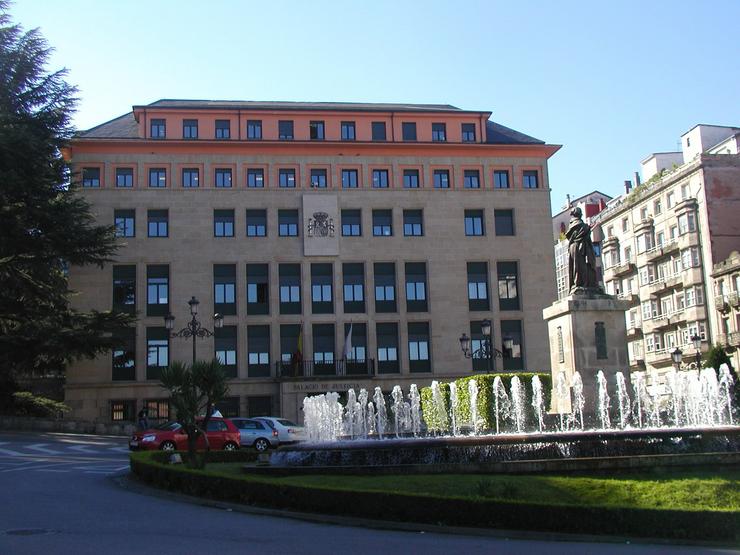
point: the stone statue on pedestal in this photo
(581, 256)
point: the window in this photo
(157, 129)
(511, 344)
(408, 131)
(323, 349)
(413, 223)
(439, 132)
(228, 406)
(285, 130)
(348, 130)
(670, 199)
(686, 223)
(471, 179)
(224, 288)
(316, 130)
(411, 179)
(690, 258)
(124, 222)
(289, 276)
(255, 178)
(157, 177)
(91, 177)
(657, 207)
(289, 334)
(508, 287)
(355, 363)
(157, 290)
(258, 299)
(124, 177)
(124, 289)
(644, 213)
(123, 411)
(382, 223)
(625, 225)
(529, 179)
(500, 179)
(385, 286)
(288, 223)
(258, 351)
(190, 129)
(479, 363)
(684, 191)
(504, 222)
(353, 277)
(287, 178)
(380, 179)
(378, 130)
(387, 337)
(223, 129)
(123, 361)
(157, 223)
(321, 289)
(259, 405)
(157, 352)
(416, 287)
(254, 129)
(349, 179)
(318, 178)
(419, 347)
(190, 177)
(223, 223)
(468, 132)
(441, 179)
(474, 223)
(225, 349)
(256, 223)
(223, 177)
(351, 223)
(478, 286)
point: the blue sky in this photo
(610, 81)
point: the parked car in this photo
(288, 431)
(171, 436)
(257, 434)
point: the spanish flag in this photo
(298, 355)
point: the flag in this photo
(298, 355)
(348, 344)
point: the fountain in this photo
(453, 407)
(580, 400)
(502, 405)
(517, 403)
(473, 395)
(623, 401)
(538, 402)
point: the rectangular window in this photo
(353, 286)
(321, 289)
(441, 179)
(686, 223)
(508, 286)
(157, 177)
(258, 289)
(657, 207)
(316, 130)
(385, 287)
(479, 362)
(419, 359)
(124, 177)
(378, 131)
(157, 352)
(223, 177)
(504, 220)
(157, 129)
(411, 179)
(254, 129)
(157, 290)
(355, 364)
(190, 177)
(380, 179)
(123, 411)
(323, 349)
(91, 177)
(468, 132)
(223, 129)
(387, 337)
(125, 223)
(408, 131)
(416, 287)
(124, 289)
(318, 178)
(530, 179)
(223, 223)
(259, 405)
(382, 223)
(474, 223)
(288, 223)
(478, 286)
(190, 129)
(285, 130)
(349, 179)
(289, 276)
(511, 344)
(286, 178)
(413, 223)
(256, 223)
(228, 406)
(255, 178)
(500, 179)
(157, 223)
(439, 132)
(224, 288)
(351, 223)
(258, 351)
(225, 349)
(158, 409)
(471, 179)
(289, 334)
(348, 130)
(123, 360)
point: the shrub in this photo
(26, 403)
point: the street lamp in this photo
(677, 356)
(486, 349)
(193, 328)
(696, 340)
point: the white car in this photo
(288, 431)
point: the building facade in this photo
(345, 245)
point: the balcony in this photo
(673, 282)
(734, 339)
(313, 369)
(656, 286)
(688, 239)
(659, 357)
(609, 243)
(632, 298)
(722, 304)
(723, 340)
(634, 330)
(647, 223)
(653, 254)
(734, 300)
(619, 270)
(686, 205)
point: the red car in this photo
(170, 436)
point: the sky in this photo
(611, 81)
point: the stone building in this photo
(300, 222)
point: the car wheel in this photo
(167, 446)
(261, 445)
(230, 446)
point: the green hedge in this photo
(430, 509)
(440, 423)
(26, 403)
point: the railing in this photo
(315, 369)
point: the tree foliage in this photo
(715, 357)
(45, 225)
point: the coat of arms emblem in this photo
(321, 225)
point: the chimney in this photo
(637, 179)
(627, 186)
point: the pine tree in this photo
(45, 225)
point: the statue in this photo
(581, 256)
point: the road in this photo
(60, 495)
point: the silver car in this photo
(255, 433)
(287, 430)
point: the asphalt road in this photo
(59, 494)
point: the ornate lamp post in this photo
(486, 349)
(677, 356)
(193, 329)
(696, 340)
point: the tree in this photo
(715, 357)
(45, 225)
(194, 391)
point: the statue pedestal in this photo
(587, 333)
